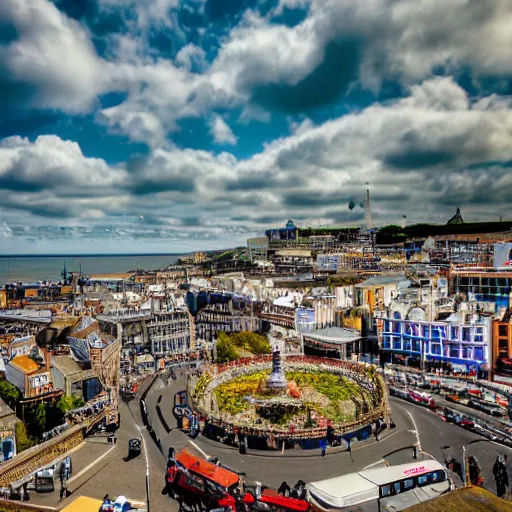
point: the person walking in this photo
(323, 446)
(500, 473)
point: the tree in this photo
(251, 342)
(67, 403)
(231, 346)
(35, 420)
(226, 351)
(9, 393)
(40, 417)
(23, 441)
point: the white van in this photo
(389, 488)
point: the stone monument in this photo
(277, 380)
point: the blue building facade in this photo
(466, 345)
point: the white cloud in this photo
(53, 54)
(191, 55)
(5, 230)
(416, 152)
(221, 132)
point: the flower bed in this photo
(225, 388)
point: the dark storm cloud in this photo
(50, 209)
(256, 182)
(311, 199)
(485, 186)
(150, 176)
(322, 86)
(418, 152)
(261, 180)
(418, 159)
(345, 216)
(11, 181)
(311, 151)
(145, 187)
(191, 221)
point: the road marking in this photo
(87, 468)
(199, 450)
(418, 442)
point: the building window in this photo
(454, 351)
(478, 353)
(503, 330)
(435, 349)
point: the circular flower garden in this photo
(320, 393)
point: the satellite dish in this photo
(417, 314)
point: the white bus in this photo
(382, 488)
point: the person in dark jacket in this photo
(499, 470)
(323, 446)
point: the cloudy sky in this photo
(170, 125)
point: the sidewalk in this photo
(99, 469)
(300, 453)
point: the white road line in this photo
(418, 442)
(91, 465)
(199, 450)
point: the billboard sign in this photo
(305, 319)
(257, 243)
(328, 262)
(502, 255)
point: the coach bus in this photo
(382, 488)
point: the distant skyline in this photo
(168, 126)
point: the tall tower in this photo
(368, 210)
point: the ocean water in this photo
(38, 268)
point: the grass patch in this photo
(231, 396)
(334, 387)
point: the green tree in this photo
(35, 420)
(9, 393)
(40, 417)
(251, 342)
(67, 403)
(226, 350)
(23, 441)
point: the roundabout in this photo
(265, 404)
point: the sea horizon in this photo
(96, 255)
(40, 267)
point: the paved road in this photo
(440, 439)
(110, 474)
(272, 470)
(435, 434)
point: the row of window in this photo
(409, 484)
(495, 282)
(429, 331)
(454, 350)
